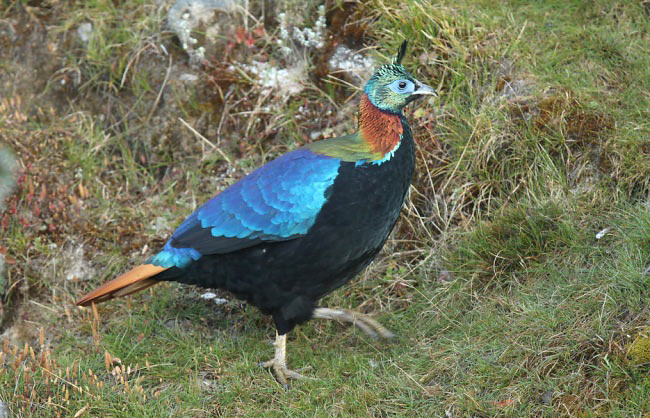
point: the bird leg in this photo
(363, 321)
(279, 362)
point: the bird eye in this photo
(402, 86)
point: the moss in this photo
(639, 350)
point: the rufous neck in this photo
(381, 130)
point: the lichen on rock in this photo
(189, 16)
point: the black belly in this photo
(286, 278)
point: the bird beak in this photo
(423, 90)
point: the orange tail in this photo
(130, 282)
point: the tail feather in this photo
(132, 281)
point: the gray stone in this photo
(7, 173)
(84, 31)
(187, 15)
(4, 410)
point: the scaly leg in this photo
(279, 362)
(363, 321)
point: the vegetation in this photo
(517, 279)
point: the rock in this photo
(186, 16)
(355, 66)
(214, 298)
(84, 31)
(4, 410)
(283, 81)
(78, 266)
(7, 173)
(188, 77)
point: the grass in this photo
(507, 296)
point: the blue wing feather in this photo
(276, 202)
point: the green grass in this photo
(504, 300)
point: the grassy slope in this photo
(504, 300)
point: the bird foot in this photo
(283, 373)
(363, 321)
(279, 363)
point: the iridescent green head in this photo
(392, 87)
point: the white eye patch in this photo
(402, 86)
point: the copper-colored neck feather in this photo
(381, 130)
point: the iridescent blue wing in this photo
(279, 201)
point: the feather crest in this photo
(401, 52)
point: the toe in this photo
(283, 373)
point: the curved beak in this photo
(424, 90)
